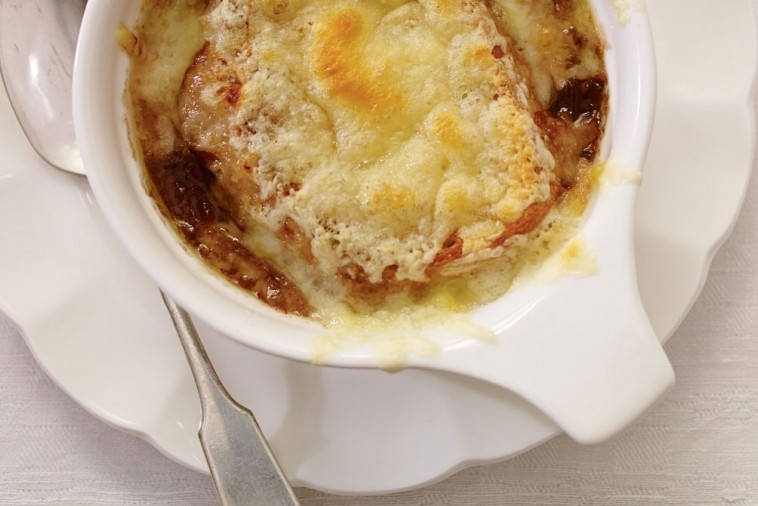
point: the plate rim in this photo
(707, 257)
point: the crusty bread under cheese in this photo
(381, 129)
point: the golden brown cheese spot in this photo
(340, 61)
(447, 129)
(388, 198)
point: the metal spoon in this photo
(37, 46)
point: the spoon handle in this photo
(242, 465)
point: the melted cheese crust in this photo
(373, 143)
(379, 128)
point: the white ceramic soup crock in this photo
(580, 348)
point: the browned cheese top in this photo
(364, 155)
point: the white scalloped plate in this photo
(97, 325)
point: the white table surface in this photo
(699, 446)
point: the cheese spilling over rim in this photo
(382, 130)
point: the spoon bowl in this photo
(36, 66)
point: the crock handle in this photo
(596, 380)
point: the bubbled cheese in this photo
(380, 128)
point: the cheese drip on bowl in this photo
(364, 155)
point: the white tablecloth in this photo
(699, 446)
